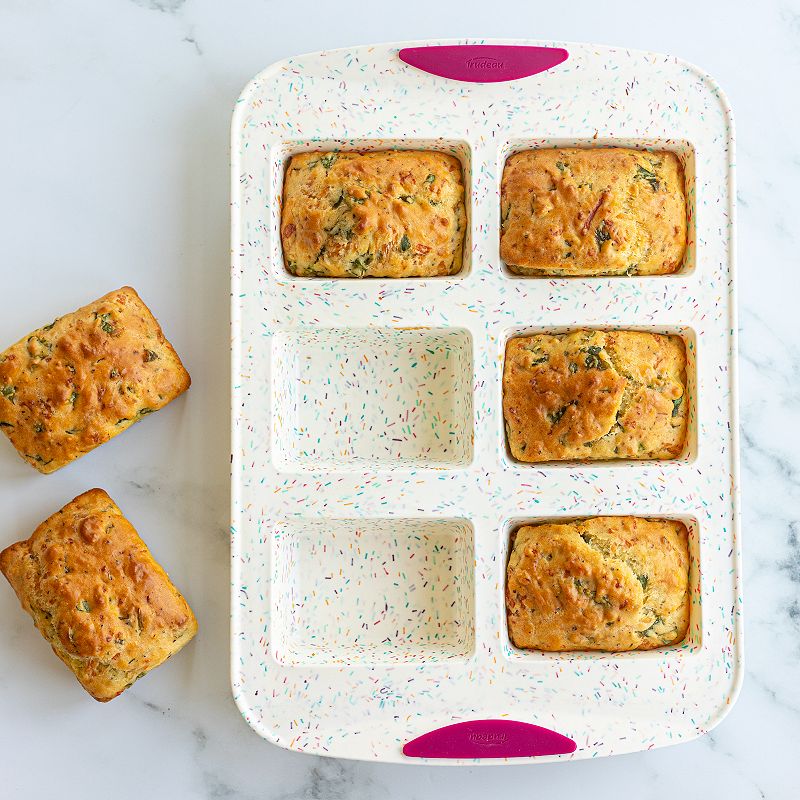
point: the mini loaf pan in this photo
(374, 500)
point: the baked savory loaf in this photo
(78, 382)
(599, 211)
(608, 583)
(592, 395)
(386, 214)
(108, 610)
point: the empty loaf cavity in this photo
(390, 214)
(591, 395)
(98, 597)
(607, 583)
(369, 397)
(373, 591)
(78, 382)
(597, 211)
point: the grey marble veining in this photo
(167, 6)
(114, 162)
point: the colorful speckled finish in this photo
(352, 398)
(373, 496)
(372, 591)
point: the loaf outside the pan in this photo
(593, 211)
(606, 583)
(97, 595)
(390, 214)
(76, 383)
(589, 395)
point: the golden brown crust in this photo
(606, 583)
(78, 382)
(593, 211)
(591, 395)
(390, 214)
(95, 593)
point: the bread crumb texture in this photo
(96, 594)
(78, 382)
(589, 395)
(606, 583)
(384, 214)
(593, 211)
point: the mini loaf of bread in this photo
(78, 382)
(603, 211)
(108, 610)
(592, 395)
(607, 583)
(389, 214)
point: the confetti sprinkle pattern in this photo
(372, 591)
(351, 398)
(373, 497)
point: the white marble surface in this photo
(114, 169)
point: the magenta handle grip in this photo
(489, 738)
(483, 63)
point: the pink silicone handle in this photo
(489, 738)
(483, 63)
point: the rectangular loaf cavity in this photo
(588, 395)
(349, 398)
(583, 211)
(610, 584)
(380, 213)
(372, 591)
